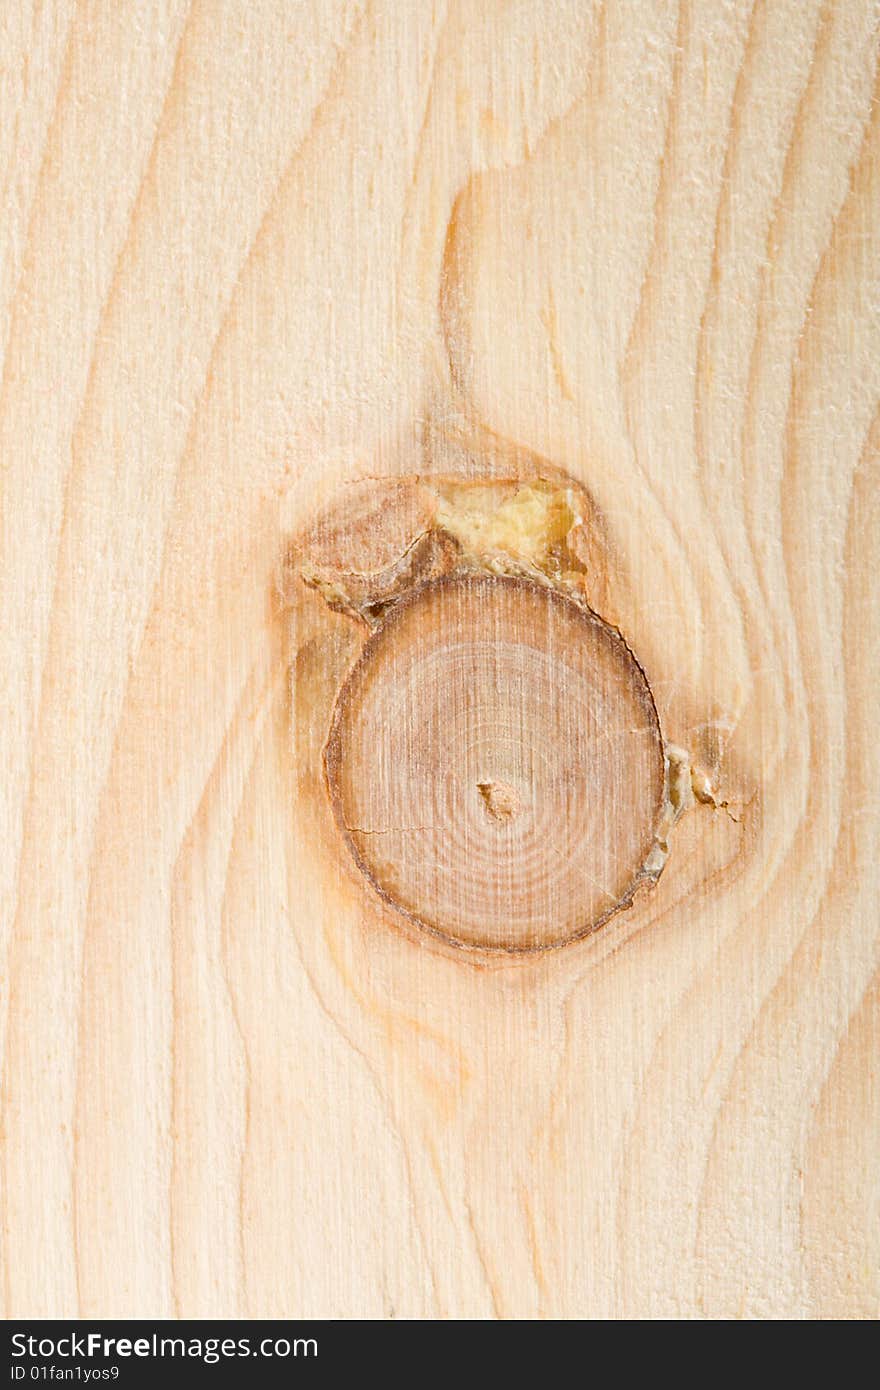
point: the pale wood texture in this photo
(248, 252)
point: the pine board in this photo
(251, 254)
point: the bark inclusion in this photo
(495, 762)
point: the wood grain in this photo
(251, 254)
(495, 764)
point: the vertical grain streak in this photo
(795, 161)
(838, 1208)
(371, 1066)
(42, 699)
(791, 168)
(815, 977)
(775, 596)
(820, 827)
(482, 1255)
(451, 262)
(642, 314)
(723, 212)
(750, 590)
(68, 482)
(534, 1244)
(645, 314)
(49, 153)
(801, 633)
(224, 787)
(632, 240)
(76, 469)
(184, 460)
(8, 937)
(228, 311)
(129, 239)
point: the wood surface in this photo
(252, 254)
(495, 763)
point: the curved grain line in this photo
(347, 1033)
(197, 407)
(711, 302)
(244, 730)
(645, 313)
(839, 877)
(29, 797)
(49, 153)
